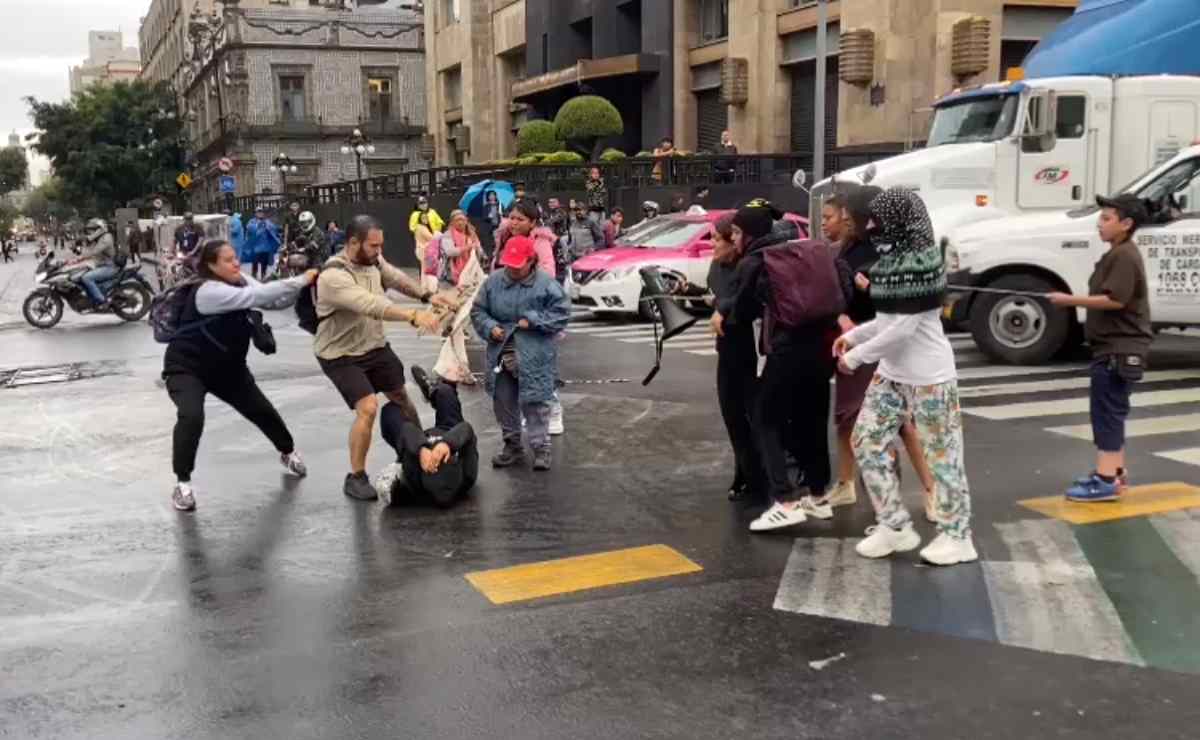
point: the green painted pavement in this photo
(1155, 595)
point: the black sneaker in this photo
(421, 378)
(358, 486)
(541, 460)
(508, 457)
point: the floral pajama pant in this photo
(937, 416)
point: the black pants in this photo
(793, 413)
(187, 392)
(456, 475)
(737, 381)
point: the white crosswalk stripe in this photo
(1140, 399)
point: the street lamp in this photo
(283, 164)
(359, 144)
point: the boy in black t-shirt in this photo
(1118, 329)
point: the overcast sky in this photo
(42, 38)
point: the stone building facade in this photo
(299, 80)
(109, 60)
(494, 63)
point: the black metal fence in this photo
(637, 173)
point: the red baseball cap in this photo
(518, 251)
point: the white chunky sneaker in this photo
(293, 463)
(841, 494)
(777, 517)
(882, 541)
(386, 481)
(183, 498)
(947, 550)
(816, 508)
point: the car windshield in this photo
(974, 120)
(666, 233)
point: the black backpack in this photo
(306, 302)
(167, 308)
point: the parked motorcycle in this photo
(58, 285)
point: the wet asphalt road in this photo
(283, 609)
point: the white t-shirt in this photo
(910, 348)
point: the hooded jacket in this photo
(543, 245)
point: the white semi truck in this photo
(1011, 170)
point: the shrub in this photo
(644, 154)
(530, 159)
(538, 137)
(563, 158)
(612, 155)
(583, 121)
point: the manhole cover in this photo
(65, 373)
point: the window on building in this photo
(451, 12)
(291, 98)
(452, 87)
(379, 98)
(714, 20)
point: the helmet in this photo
(95, 229)
(307, 220)
(650, 206)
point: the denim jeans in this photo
(91, 278)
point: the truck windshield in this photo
(974, 120)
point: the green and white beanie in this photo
(909, 276)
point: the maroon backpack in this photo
(807, 285)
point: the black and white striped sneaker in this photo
(778, 517)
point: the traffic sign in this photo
(225, 164)
(228, 184)
(184, 180)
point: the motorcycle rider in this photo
(102, 251)
(311, 240)
(649, 211)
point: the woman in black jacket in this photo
(208, 355)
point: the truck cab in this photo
(1057, 251)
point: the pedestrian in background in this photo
(916, 379)
(584, 235)
(335, 237)
(521, 310)
(237, 235)
(1119, 331)
(614, 228)
(262, 242)
(724, 168)
(597, 195)
(291, 222)
(662, 155)
(493, 214)
(197, 363)
(350, 344)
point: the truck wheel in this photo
(1016, 329)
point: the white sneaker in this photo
(816, 508)
(294, 464)
(777, 517)
(947, 550)
(183, 498)
(386, 481)
(882, 541)
(841, 494)
(556, 418)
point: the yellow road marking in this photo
(1137, 501)
(536, 580)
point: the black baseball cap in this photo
(1128, 205)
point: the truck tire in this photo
(1019, 330)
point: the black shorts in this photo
(359, 376)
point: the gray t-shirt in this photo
(103, 252)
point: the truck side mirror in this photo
(1040, 121)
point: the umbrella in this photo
(472, 201)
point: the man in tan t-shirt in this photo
(1119, 331)
(350, 344)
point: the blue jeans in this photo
(98, 275)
